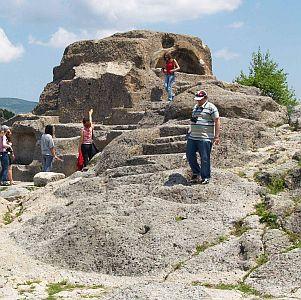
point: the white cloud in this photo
(134, 11)
(226, 54)
(113, 13)
(62, 37)
(236, 25)
(8, 51)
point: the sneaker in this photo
(5, 183)
(205, 181)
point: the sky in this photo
(34, 33)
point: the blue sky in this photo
(34, 33)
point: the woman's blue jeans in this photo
(47, 163)
(4, 166)
(204, 148)
(169, 81)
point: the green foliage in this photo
(57, 287)
(276, 185)
(205, 245)
(242, 174)
(201, 247)
(265, 74)
(179, 218)
(266, 216)
(7, 114)
(239, 228)
(262, 259)
(8, 218)
(242, 287)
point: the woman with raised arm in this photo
(86, 139)
(171, 66)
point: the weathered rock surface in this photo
(97, 74)
(231, 103)
(43, 178)
(133, 226)
(295, 117)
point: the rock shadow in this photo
(176, 179)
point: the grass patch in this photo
(242, 174)
(20, 210)
(57, 287)
(296, 245)
(3, 188)
(202, 247)
(30, 282)
(262, 259)
(294, 238)
(32, 188)
(239, 228)
(8, 218)
(242, 287)
(179, 218)
(276, 185)
(266, 216)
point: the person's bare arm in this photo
(177, 68)
(217, 123)
(90, 116)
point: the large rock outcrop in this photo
(118, 71)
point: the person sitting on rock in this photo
(171, 66)
(48, 149)
(86, 139)
(4, 146)
(204, 131)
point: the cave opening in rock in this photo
(188, 61)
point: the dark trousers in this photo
(204, 148)
(87, 153)
(4, 166)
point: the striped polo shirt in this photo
(203, 129)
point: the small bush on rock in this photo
(265, 74)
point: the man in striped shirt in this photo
(204, 131)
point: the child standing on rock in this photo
(171, 66)
(86, 139)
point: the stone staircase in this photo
(66, 141)
(165, 153)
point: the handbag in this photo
(80, 161)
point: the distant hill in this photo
(16, 105)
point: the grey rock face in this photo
(113, 222)
(43, 178)
(280, 276)
(295, 117)
(98, 74)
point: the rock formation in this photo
(132, 226)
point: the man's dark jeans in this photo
(4, 165)
(204, 148)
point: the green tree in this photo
(265, 74)
(6, 114)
